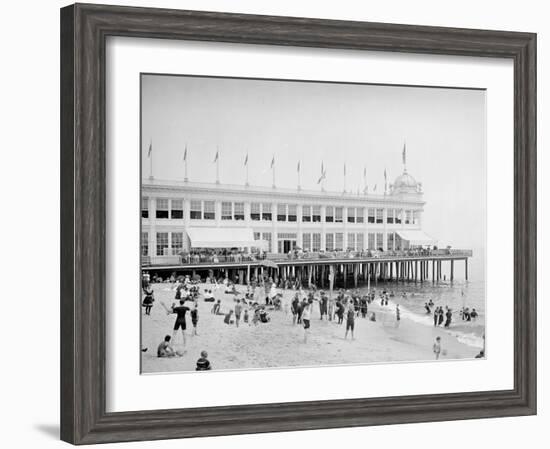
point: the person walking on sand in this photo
(436, 316)
(437, 347)
(238, 311)
(350, 321)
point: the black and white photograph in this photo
(290, 223)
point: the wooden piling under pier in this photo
(316, 270)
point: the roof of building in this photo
(277, 193)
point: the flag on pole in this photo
(217, 156)
(272, 162)
(385, 176)
(150, 149)
(246, 159)
(298, 167)
(185, 154)
(323, 174)
(405, 153)
(374, 188)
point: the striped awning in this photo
(221, 237)
(416, 237)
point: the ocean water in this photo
(456, 295)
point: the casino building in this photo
(180, 216)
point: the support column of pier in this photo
(452, 270)
(466, 269)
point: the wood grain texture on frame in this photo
(84, 29)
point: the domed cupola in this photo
(405, 183)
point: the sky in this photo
(359, 125)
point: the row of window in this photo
(167, 243)
(206, 210)
(171, 243)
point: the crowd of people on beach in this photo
(252, 306)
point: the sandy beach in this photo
(279, 343)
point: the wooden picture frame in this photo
(84, 29)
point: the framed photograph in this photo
(273, 224)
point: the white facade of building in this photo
(282, 218)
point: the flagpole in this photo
(405, 156)
(344, 178)
(217, 165)
(185, 179)
(246, 164)
(151, 159)
(299, 184)
(273, 170)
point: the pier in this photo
(347, 269)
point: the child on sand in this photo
(216, 307)
(203, 363)
(245, 317)
(227, 319)
(165, 349)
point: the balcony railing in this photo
(237, 258)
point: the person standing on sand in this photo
(397, 316)
(437, 347)
(238, 310)
(350, 321)
(323, 304)
(180, 322)
(195, 317)
(340, 311)
(148, 300)
(449, 317)
(295, 306)
(306, 318)
(436, 316)
(440, 316)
